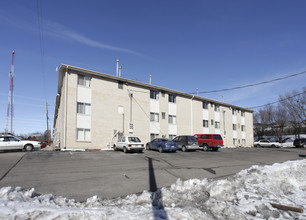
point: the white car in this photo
(288, 142)
(128, 144)
(10, 142)
(266, 143)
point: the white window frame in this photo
(83, 108)
(83, 134)
(172, 98)
(234, 127)
(154, 94)
(205, 123)
(217, 108)
(154, 117)
(84, 80)
(172, 119)
(217, 124)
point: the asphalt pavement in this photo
(110, 174)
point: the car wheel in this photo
(273, 146)
(125, 150)
(258, 145)
(215, 149)
(205, 147)
(148, 147)
(141, 151)
(115, 148)
(184, 149)
(160, 149)
(28, 147)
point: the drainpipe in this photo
(191, 116)
(66, 105)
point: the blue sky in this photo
(184, 45)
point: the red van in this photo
(209, 141)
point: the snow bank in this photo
(246, 195)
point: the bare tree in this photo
(295, 105)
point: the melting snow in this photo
(247, 195)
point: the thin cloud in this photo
(57, 30)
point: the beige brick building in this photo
(91, 107)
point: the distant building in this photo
(92, 107)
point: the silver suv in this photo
(11, 142)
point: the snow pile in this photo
(246, 195)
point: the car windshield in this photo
(217, 137)
(164, 140)
(134, 139)
(192, 139)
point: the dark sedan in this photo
(162, 144)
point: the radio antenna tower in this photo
(10, 106)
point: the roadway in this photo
(109, 174)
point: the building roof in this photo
(64, 67)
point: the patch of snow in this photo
(247, 195)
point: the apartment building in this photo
(92, 108)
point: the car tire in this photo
(258, 145)
(184, 149)
(115, 148)
(160, 149)
(141, 151)
(148, 147)
(28, 147)
(205, 147)
(125, 150)
(273, 146)
(215, 149)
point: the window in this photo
(242, 113)
(172, 98)
(217, 108)
(205, 105)
(217, 137)
(172, 119)
(83, 108)
(235, 141)
(172, 136)
(84, 80)
(153, 94)
(120, 85)
(235, 127)
(154, 117)
(234, 112)
(163, 115)
(242, 127)
(211, 104)
(163, 94)
(212, 122)
(83, 134)
(217, 124)
(205, 136)
(205, 123)
(243, 142)
(153, 136)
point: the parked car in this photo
(186, 142)
(287, 142)
(209, 141)
(300, 142)
(266, 143)
(162, 144)
(42, 144)
(11, 142)
(128, 144)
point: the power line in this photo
(251, 85)
(272, 103)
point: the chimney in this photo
(117, 69)
(150, 79)
(120, 69)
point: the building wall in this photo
(110, 111)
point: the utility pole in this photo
(48, 134)
(10, 106)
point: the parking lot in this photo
(109, 174)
